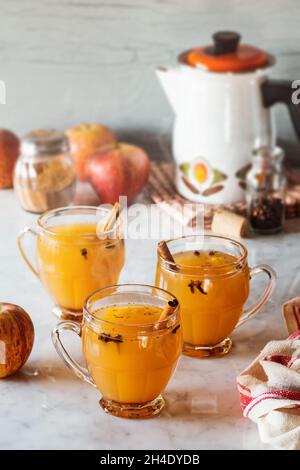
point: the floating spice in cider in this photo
(174, 331)
(107, 338)
(196, 285)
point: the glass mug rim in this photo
(186, 269)
(43, 218)
(91, 318)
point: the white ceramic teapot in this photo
(221, 96)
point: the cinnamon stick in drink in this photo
(167, 312)
(169, 309)
(166, 254)
(112, 218)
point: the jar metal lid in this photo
(44, 142)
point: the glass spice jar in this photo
(266, 185)
(44, 176)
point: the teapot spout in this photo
(170, 81)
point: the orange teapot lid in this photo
(227, 55)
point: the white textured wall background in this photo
(67, 61)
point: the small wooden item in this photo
(112, 218)
(167, 255)
(291, 314)
(167, 312)
(165, 252)
(228, 223)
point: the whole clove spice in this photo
(196, 285)
(174, 331)
(107, 338)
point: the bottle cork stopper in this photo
(228, 223)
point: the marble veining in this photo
(46, 407)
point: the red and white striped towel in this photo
(270, 390)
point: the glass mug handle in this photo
(80, 371)
(24, 232)
(251, 311)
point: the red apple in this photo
(119, 170)
(85, 140)
(16, 338)
(9, 151)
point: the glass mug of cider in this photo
(131, 343)
(74, 256)
(210, 277)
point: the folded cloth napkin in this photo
(270, 387)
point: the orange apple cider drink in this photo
(131, 339)
(211, 307)
(79, 249)
(130, 368)
(210, 277)
(74, 260)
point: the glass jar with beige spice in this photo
(44, 176)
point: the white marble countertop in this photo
(45, 406)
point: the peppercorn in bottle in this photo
(266, 186)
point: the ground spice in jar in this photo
(44, 175)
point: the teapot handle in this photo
(281, 91)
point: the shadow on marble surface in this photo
(37, 371)
(196, 404)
